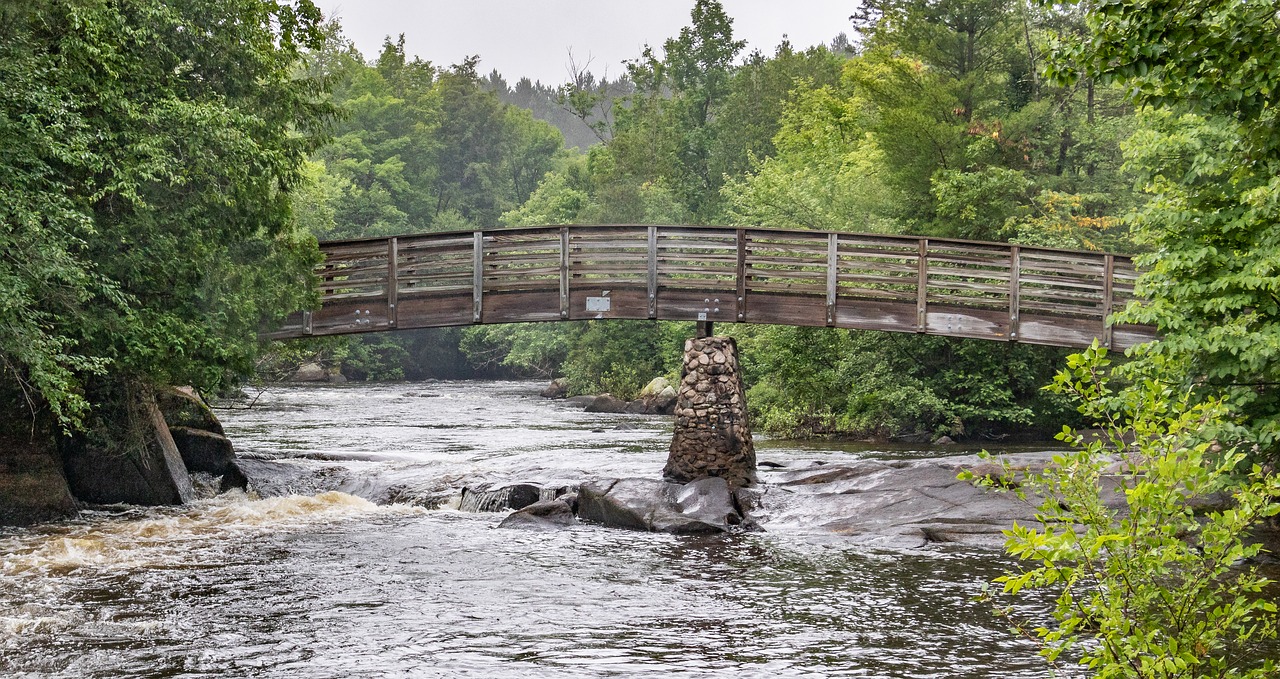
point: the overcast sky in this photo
(532, 37)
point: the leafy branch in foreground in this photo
(1147, 548)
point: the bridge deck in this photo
(995, 291)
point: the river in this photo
(337, 567)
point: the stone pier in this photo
(712, 434)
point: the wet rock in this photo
(148, 470)
(898, 503)
(309, 372)
(336, 378)
(32, 486)
(204, 451)
(183, 408)
(580, 401)
(943, 441)
(514, 496)
(544, 515)
(607, 403)
(559, 388)
(624, 426)
(701, 507)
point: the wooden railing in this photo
(994, 291)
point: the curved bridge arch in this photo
(994, 291)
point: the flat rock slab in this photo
(897, 503)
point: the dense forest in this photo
(931, 121)
(168, 210)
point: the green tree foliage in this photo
(1210, 158)
(827, 172)
(421, 148)
(149, 151)
(1148, 583)
(818, 381)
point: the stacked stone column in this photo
(712, 434)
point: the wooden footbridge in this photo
(994, 291)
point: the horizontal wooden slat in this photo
(532, 274)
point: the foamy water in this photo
(340, 568)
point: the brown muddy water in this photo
(335, 568)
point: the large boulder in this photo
(500, 498)
(183, 408)
(206, 451)
(655, 387)
(559, 388)
(32, 487)
(309, 372)
(607, 403)
(145, 468)
(702, 507)
(546, 515)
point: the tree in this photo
(150, 151)
(1209, 156)
(1149, 583)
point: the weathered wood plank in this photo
(936, 286)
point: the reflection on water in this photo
(330, 584)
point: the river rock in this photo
(559, 388)
(309, 372)
(148, 472)
(544, 515)
(183, 408)
(607, 403)
(655, 387)
(513, 496)
(580, 401)
(32, 486)
(205, 451)
(701, 507)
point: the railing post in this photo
(922, 285)
(833, 263)
(653, 272)
(564, 272)
(477, 280)
(393, 281)
(1015, 289)
(742, 274)
(1108, 290)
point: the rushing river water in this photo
(337, 568)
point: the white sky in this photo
(532, 38)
